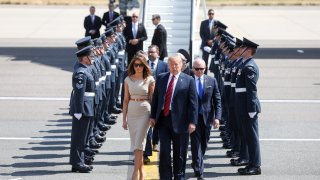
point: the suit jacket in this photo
(141, 35)
(95, 26)
(106, 18)
(247, 101)
(211, 100)
(82, 83)
(160, 39)
(184, 104)
(162, 67)
(205, 33)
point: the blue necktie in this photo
(200, 91)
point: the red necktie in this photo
(167, 100)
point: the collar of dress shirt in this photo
(155, 63)
(175, 76)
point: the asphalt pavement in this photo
(36, 59)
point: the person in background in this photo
(92, 24)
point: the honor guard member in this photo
(236, 58)
(227, 89)
(101, 68)
(92, 143)
(111, 36)
(212, 50)
(81, 109)
(121, 44)
(106, 61)
(89, 153)
(248, 106)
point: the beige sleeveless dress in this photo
(138, 111)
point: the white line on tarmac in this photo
(315, 101)
(35, 98)
(291, 101)
(127, 139)
(310, 140)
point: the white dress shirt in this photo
(135, 32)
(155, 63)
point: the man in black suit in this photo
(135, 34)
(157, 67)
(174, 111)
(207, 35)
(109, 16)
(159, 36)
(209, 108)
(92, 24)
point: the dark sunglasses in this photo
(137, 65)
(211, 13)
(134, 16)
(197, 69)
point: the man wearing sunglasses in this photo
(207, 34)
(209, 113)
(135, 34)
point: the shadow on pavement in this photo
(64, 58)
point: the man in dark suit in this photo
(157, 67)
(209, 108)
(92, 24)
(159, 36)
(174, 111)
(207, 35)
(248, 106)
(135, 34)
(109, 16)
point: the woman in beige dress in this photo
(138, 89)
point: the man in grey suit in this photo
(209, 109)
(174, 110)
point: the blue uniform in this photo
(247, 104)
(82, 102)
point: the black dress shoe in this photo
(100, 139)
(110, 122)
(146, 161)
(81, 168)
(113, 116)
(104, 127)
(102, 133)
(95, 145)
(239, 162)
(198, 176)
(249, 170)
(233, 154)
(118, 104)
(116, 110)
(88, 161)
(227, 145)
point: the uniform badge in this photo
(239, 72)
(79, 86)
(250, 77)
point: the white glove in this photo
(252, 114)
(207, 49)
(77, 115)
